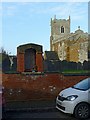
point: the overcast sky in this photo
(29, 22)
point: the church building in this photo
(69, 46)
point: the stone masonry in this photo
(69, 46)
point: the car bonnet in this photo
(70, 91)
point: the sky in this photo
(29, 22)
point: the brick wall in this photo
(39, 62)
(20, 62)
(21, 50)
(36, 86)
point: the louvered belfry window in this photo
(62, 29)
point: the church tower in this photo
(59, 29)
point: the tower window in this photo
(62, 29)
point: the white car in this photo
(75, 100)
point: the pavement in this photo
(32, 105)
(26, 108)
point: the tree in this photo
(3, 51)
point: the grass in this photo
(76, 71)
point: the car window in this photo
(83, 85)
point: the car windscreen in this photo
(83, 85)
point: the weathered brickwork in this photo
(20, 62)
(39, 62)
(36, 86)
(29, 56)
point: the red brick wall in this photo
(34, 86)
(20, 62)
(39, 62)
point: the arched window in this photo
(62, 29)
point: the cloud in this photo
(76, 10)
(62, 10)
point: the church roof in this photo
(51, 55)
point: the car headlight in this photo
(71, 98)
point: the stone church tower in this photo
(69, 46)
(59, 28)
